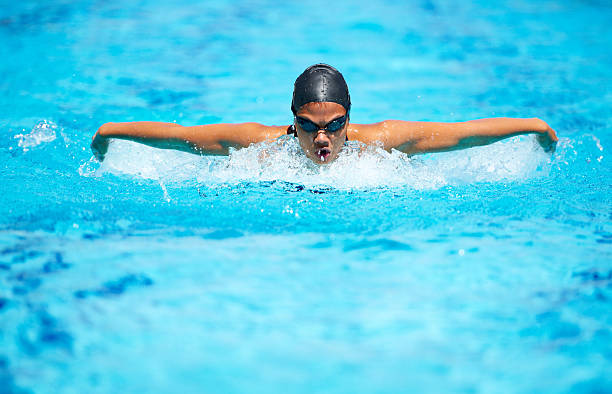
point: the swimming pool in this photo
(485, 270)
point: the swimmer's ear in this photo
(291, 130)
(348, 118)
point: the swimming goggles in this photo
(311, 127)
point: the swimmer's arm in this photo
(424, 137)
(214, 139)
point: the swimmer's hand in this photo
(99, 146)
(547, 138)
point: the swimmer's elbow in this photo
(106, 129)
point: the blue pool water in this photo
(485, 270)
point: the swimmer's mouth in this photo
(323, 153)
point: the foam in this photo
(357, 166)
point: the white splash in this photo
(357, 166)
(167, 166)
(586, 149)
(43, 132)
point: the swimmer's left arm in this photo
(424, 137)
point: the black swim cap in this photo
(320, 83)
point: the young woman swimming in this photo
(321, 105)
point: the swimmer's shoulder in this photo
(390, 133)
(367, 133)
(266, 133)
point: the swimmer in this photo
(321, 107)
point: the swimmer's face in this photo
(321, 146)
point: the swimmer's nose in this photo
(321, 139)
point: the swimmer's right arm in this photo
(214, 139)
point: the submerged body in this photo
(321, 107)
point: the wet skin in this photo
(321, 146)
